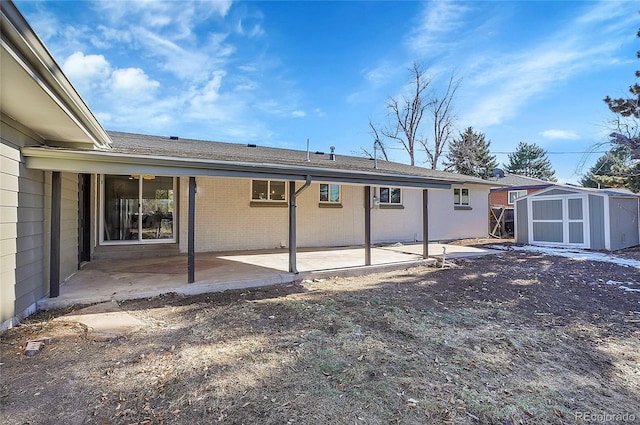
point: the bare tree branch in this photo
(441, 109)
(407, 113)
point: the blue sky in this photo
(277, 73)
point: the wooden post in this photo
(54, 249)
(367, 225)
(425, 223)
(191, 257)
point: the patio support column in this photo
(293, 194)
(191, 257)
(293, 266)
(54, 249)
(367, 225)
(425, 223)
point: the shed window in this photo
(268, 190)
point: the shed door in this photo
(559, 221)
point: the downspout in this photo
(293, 195)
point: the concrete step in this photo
(113, 252)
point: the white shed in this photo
(579, 218)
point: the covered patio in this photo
(122, 279)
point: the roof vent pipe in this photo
(173, 137)
(332, 155)
(375, 154)
(308, 150)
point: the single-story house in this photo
(566, 216)
(514, 186)
(71, 192)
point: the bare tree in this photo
(407, 113)
(441, 109)
(377, 144)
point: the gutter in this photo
(20, 37)
(43, 158)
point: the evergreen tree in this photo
(626, 134)
(530, 160)
(469, 154)
(610, 170)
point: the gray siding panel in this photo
(22, 222)
(522, 222)
(623, 213)
(596, 222)
(576, 234)
(547, 209)
(547, 232)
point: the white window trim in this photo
(512, 201)
(460, 204)
(329, 201)
(100, 227)
(389, 203)
(268, 191)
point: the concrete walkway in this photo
(131, 278)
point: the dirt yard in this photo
(513, 338)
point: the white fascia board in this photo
(26, 47)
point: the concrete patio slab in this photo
(437, 250)
(134, 278)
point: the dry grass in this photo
(469, 345)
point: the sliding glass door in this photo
(137, 208)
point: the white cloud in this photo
(298, 114)
(504, 84)
(86, 71)
(554, 134)
(132, 83)
(439, 18)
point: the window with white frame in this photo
(268, 190)
(461, 197)
(390, 195)
(330, 193)
(515, 194)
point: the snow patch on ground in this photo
(574, 254)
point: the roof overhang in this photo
(36, 93)
(44, 158)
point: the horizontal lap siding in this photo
(22, 229)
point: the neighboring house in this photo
(502, 198)
(514, 187)
(70, 191)
(600, 219)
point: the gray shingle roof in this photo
(514, 180)
(139, 144)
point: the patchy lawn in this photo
(514, 338)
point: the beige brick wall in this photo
(226, 221)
